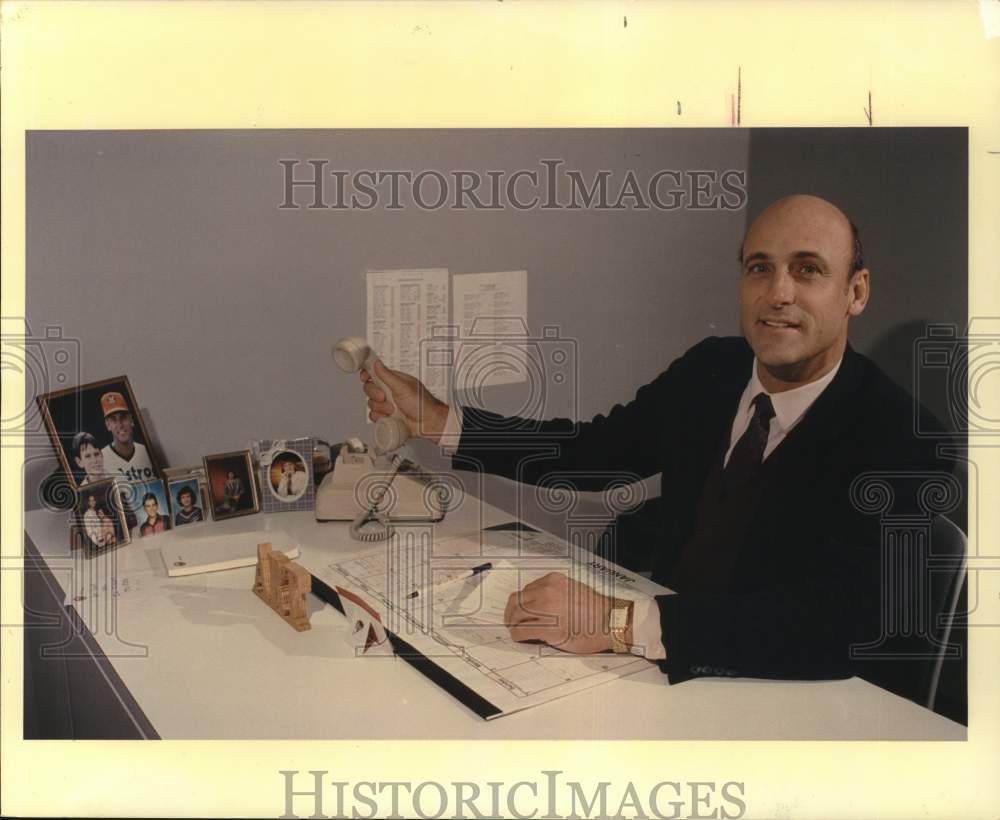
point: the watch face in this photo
(619, 617)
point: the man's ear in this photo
(858, 291)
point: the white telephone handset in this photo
(353, 354)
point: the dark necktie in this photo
(709, 559)
(745, 460)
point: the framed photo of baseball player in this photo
(286, 476)
(99, 522)
(98, 432)
(231, 484)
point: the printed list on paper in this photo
(404, 309)
(491, 312)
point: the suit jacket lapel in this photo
(792, 467)
(720, 393)
(826, 418)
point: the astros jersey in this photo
(138, 468)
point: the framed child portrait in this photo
(152, 508)
(186, 500)
(286, 476)
(231, 484)
(98, 432)
(99, 522)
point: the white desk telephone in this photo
(370, 486)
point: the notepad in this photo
(219, 552)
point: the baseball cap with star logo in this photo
(113, 402)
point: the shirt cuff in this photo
(452, 432)
(647, 635)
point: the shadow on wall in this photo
(939, 385)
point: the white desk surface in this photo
(202, 654)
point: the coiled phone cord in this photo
(371, 525)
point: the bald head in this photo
(801, 282)
(811, 218)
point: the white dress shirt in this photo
(789, 408)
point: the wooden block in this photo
(282, 585)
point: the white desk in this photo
(201, 654)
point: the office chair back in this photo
(949, 546)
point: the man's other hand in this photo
(425, 415)
(561, 612)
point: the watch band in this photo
(619, 623)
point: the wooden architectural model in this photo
(282, 585)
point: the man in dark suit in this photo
(760, 441)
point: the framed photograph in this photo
(98, 432)
(231, 485)
(286, 473)
(186, 500)
(99, 522)
(149, 501)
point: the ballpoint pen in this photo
(472, 573)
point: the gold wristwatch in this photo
(619, 623)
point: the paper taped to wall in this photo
(403, 309)
(491, 314)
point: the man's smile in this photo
(780, 324)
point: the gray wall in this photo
(907, 191)
(165, 253)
